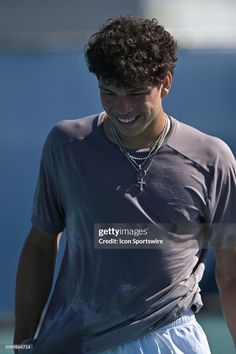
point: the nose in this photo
(122, 106)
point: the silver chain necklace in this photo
(142, 167)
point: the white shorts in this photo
(183, 336)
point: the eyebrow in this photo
(130, 90)
(104, 88)
(139, 89)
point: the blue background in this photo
(37, 90)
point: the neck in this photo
(145, 139)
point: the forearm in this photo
(33, 285)
(227, 290)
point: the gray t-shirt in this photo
(105, 297)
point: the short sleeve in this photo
(222, 201)
(47, 211)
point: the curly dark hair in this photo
(129, 50)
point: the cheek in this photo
(153, 105)
(106, 102)
(148, 107)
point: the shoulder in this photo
(203, 149)
(70, 130)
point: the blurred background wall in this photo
(55, 24)
(196, 24)
(44, 79)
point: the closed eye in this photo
(108, 93)
(139, 93)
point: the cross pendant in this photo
(141, 184)
(140, 175)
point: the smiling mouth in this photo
(127, 120)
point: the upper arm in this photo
(43, 240)
(225, 265)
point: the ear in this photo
(166, 84)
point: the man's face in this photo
(133, 110)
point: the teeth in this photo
(122, 120)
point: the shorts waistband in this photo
(184, 319)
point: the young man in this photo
(130, 165)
